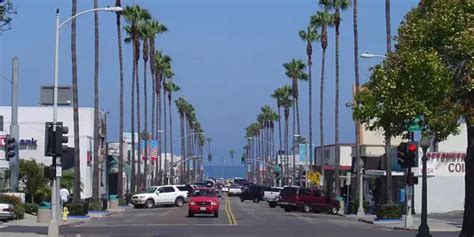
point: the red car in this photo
(306, 200)
(203, 201)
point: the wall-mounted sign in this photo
(23, 144)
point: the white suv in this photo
(160, 195)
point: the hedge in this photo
(385, 211)
(78, 209)
(31, 208)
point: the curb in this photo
(92, 218)
(366, 221)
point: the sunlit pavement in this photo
(236, 218)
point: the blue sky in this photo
(227, 57)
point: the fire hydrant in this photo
(65, 213)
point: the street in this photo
(239, 219)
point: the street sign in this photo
(314, 177)
(415, 124)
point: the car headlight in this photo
(141, 197)
(192, 203)
(213, 203)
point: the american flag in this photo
(154, 149)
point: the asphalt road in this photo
(236, 219)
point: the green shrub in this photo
(19, 211)
(10, 199)
(31, 208)
(78, 208)
(389, 211)
(122, 202)
(354, 206)
(95, 205)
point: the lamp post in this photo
(423, 229)
(360, 210)
(53, 228)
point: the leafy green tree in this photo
(31, 174)
(430, 76)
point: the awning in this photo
(341, 167)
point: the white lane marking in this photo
(166, 213)
(163, 224)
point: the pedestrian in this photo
(63, 195)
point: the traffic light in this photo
(10, 148)
(407, 153)
(55, 139)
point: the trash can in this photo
(44, 212)
(114, 202)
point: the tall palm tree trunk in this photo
(75, 105)
(133, 178)
(279, 132)
(145, 94)
(183, 156)
(388, 182)
(158, 127)
(336, 135)
(321, 113)
(309, 51)
(287, 170)
(137, 79)
(165, 171)
(95, 173)
(294, 145)
(119, 42)
(357, 83)
(171, 138)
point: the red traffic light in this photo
(412, 147)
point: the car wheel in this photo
(272, 204)
(242, 199)
(137, 206)
(179, 202)
(149, 203)
(334, 210)
(190, 214)
(216, 214)
(287, 209)
(306, 208)
(256, 199)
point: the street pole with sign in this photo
(423, 229)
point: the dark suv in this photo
(306, 200)
(254, 193)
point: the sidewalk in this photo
(435, 224)
(31, 221)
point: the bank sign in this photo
(23, 144)
(445, 164)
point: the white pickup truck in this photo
(160, 195)
(271, 196)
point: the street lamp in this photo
(423, 229)
(53, 228)
(369, 55)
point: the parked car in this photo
(203, 201)
(7, 212)
(254, 193)
(306, 200)
(160, 195)
(234, 189)
(225, 188)
(272, 196)
(187, 188)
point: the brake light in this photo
(213, 203)
(192, 203)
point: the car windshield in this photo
(151, 190)
(203, 193)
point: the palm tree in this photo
(388, 181)
(286, 103)
(119, 42)
(278, 96)
(356, 71)
(337, 6)
(322, 20)
(310, 36)
(181, 104)
(171, 87)
(167, 73)
(133, 15)
(75, 105)
(295, 71)
(95, 173)
(144, 34)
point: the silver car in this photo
(7, 212)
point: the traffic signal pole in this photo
(14, 130)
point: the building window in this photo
(1, 123)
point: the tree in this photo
(310, 36)
(171, 87)
(75, 108)
(6, 11)
(95, 173)
(337, 6)
(322, 19)
(181, 104)
(286, 103)
(31, 174)
(133, 15)
(119, 43)
(295, 71)
(166, 73)
(278, 95)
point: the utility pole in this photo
(14, 130)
